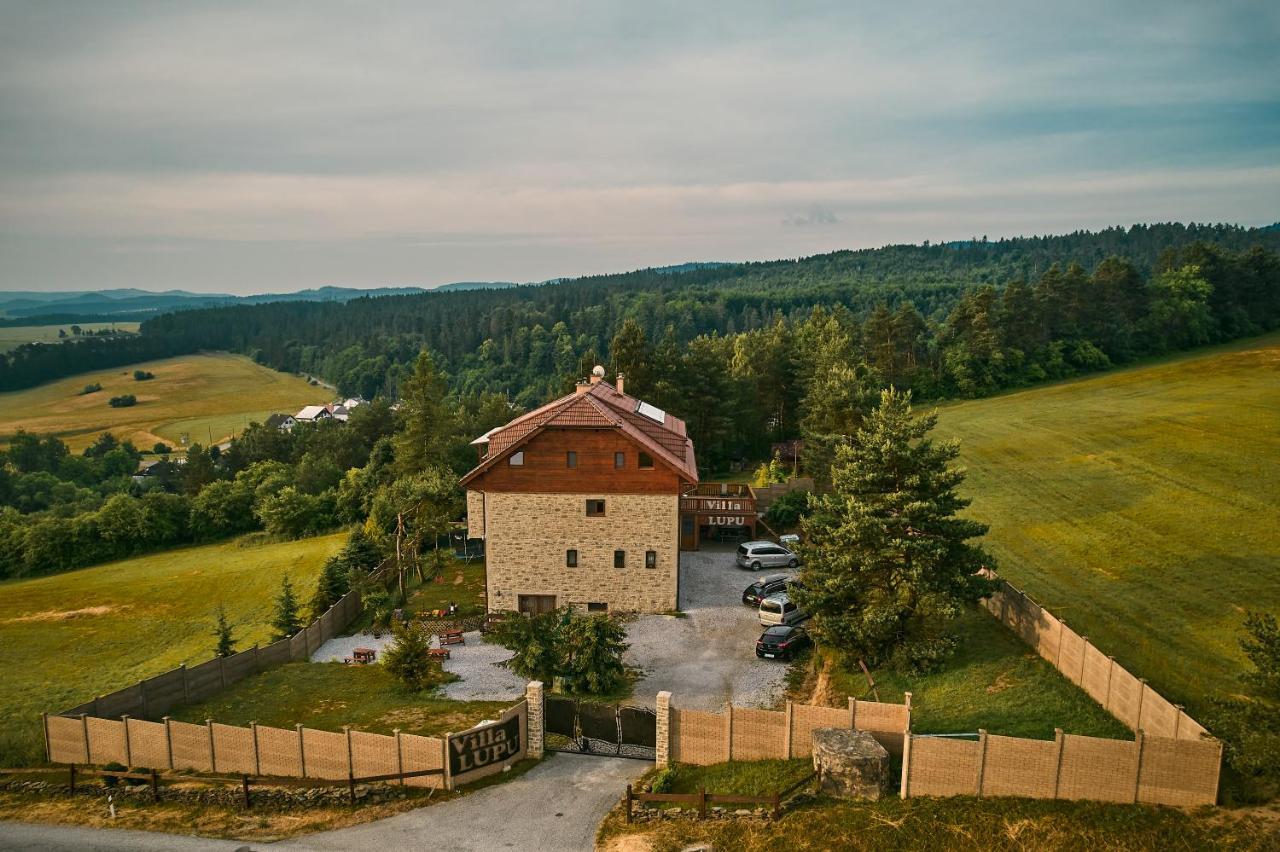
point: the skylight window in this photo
(653, 412)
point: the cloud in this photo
(817, 214)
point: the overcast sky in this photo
(267, 147)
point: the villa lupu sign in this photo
(487, 749)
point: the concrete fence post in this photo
(1139, 742)
(662, 744)
(982, 761)
(399, 756)
(906, 699)
(789, 717)
(853, 713)
(728, 732)
(186, 688)
(168, 741)
(44, 725)
(222, 671)
(1177, 720)
(1142, 694)
(447, 776)
(128, 749)
(351, 762)
(535, 710)
(1084, 655)
(142, 690)
(213, 753)
(1062, 628)
(1106, 705)
(905, 791)
(84, 729)
(1059, 740)
(302, 749)
(257, 760)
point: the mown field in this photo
(206, 397)
(71, 636)
(1141, 506)
(14, 336)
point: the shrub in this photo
(788, 509)
(92, 388)
(585, 650)
(124, 401)
(407, 658)
(142, 375)
(161, 449)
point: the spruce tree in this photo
(425, 418)
(887, 559)
(332, 585)
(222, 632)
(286, 621)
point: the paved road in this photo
(708, 658)
(555, 807)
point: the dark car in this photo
(782, 642)
(766, 586)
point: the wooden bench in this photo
(438, 654)
(452, 637)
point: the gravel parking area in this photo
(708, 658)
(339, 648)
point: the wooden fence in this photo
(1148, 769)
(702, 738)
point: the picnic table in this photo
(438, 654)
(362, 656)
(452, 637)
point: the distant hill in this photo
(34, 307)
(474, 285)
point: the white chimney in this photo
(620, 383)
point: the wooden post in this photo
(628, 804)
(44, 724)
(247, 801)
(1060, 740)
(302, 749)
(982, 760)
(168, 741)
(789, 716)
(399, 757)
(257, 762)
(702, 803)
(777, 806)
(351, 766)
(213, 755)
(728, 733)
(155, 786)
(128, 751)
(84, 727)
(1137, 765)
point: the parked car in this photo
(782, 642)
(766, 586)
(765, 554)
(780, 609)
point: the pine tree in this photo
(887, 559)
(408, 658)
(226, 642)
(427, 421)
(332, 585)
(286, 621)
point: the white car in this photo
(779, 609)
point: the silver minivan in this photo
(755, 555)
(779, 609)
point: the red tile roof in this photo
(599, 406)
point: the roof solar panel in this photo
(653, 412)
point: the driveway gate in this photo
(609, 730)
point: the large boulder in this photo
(850, 764)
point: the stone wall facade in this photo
(527, 536)
(475, 514)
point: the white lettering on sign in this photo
(723, 506)
(725, 520)
(493, 744)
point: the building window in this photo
(651, 559)
(517, 459)
(597, 607)
(619, 559)
(571, 459)
(619, 460)
(646, 461)
(595, 508)
(571, 559)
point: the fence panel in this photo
(421, 753)
(1093, 768)
(274, 654)
(326, 754)
(233, 749)
(190, 745)
(759, 734)
(241, 665)
(279, 752)
(697, 737)
(1050, 635)
(127, 701)
(164, 692)
(148, 744)
(1159, 717)
(942, 767)
(1013, 766)
(1179, 772)
(373, 754)
(886, 722)
(1071, 654)
(1126, 697)
(106, 741)
(205, 679)
(1097, 675)
(66, 740)
(805, 718)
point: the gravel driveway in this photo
(708, 658)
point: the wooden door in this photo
(537, 604)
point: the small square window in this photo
(619, 559)
(571, 459)
(651, 559)
(595, 508)
(646, 461)
(597, 607)
(516, 459)
(619, 460)
(571, 559)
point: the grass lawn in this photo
(993, 682)
(739, 778)
(14, 336)
(461, 583)
(71, 636)
(207, 397)
(330, 695)
(1140, 506)
(820, 824)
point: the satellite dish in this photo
(598, 371)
